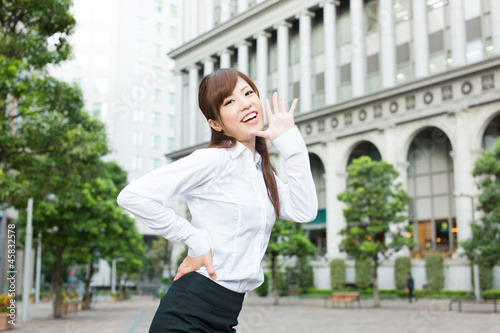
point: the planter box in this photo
(4, 322)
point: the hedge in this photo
(337, 273)
(434, 270)
(363, 269)
(402, 267)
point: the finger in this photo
(267, 106)
(282, 104)
(211, 271)
(275, 103)
(294, 105)
(263, 134)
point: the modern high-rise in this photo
(128, 82)
(412, 82)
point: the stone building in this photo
(412, 82)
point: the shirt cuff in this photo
(289, 143)
(198, 244)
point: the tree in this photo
(375, 214)
(287, 239)
(483, 248)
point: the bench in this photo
(343, 297)
(474, 301)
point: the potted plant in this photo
(73, 301)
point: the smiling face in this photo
(240, 113)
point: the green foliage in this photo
(363, 269)
(434, 270)
(375, 210)
(158, 259)
(300, 276)
(402, 267)
(483, 248)
(263, 289)
(489, 294)
(485, 277)
(337, 273)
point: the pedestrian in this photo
(234, 198)
(409, 287)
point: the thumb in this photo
(211, 271)
(259, 133)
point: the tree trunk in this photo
(376, 294)
(274, 267)
(58, 282)
(87, 299)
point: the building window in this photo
(137, 163)
(81, 61)
(140, 23)
(345, 89)
(173, 10)
(318, 39)
(403, 64)
(172, 32)
(433, 4)
(101, 38)
(157, 72)
(78, 81)
(273, 58)
(171, 98)
(138, 116)
(139, 68)
(140, 46)
(157, 28)
(155, 141)
(373, 74)
(156, 97)
(294, 49)
(138, 139)
(170, 144)
(474, 47)
(97, 109)
(154, 163)
(171, 77)
(343, 29)
(402, 10)
(371, 16)
(156, 118)
(157, 50)
(171, 121)
(158, 6)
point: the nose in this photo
(244, 103)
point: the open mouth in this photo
(249, 117)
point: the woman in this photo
(234, 198)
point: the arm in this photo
(144, 197)
(298, 199)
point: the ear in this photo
(215, 125)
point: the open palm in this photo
(280, 121)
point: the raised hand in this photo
(192, 264)
(280, 121)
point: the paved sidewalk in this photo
(292, 315)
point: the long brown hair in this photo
(213, 89)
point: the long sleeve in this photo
(144, 197)
(298, 198)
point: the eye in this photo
(249, 92)
(228, 102)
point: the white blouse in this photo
(232, 214)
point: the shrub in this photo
(485, 277)
(402, 267)
(363, 269)
(434, 270)
(337, 273)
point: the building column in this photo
(225, 10)
(330, 35)
(457, 32)
(305, 61)
(242, 6)
(420, 39)
(282, 41)
(193, 29)
(358, 52)
(463, 165)
(495, 25)
(225, 58)
(243, 56)
(179, 111)
(387, 43)
(262, 63)
(193, 103)
(209, 15)
(335, 181)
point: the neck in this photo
(250, 145)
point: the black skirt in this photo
(195, 303)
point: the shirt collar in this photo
(239, 148)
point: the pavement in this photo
(293, 314)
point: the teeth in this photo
(250, 116)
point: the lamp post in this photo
(113, 273)
(475, 267)
(27, 261)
